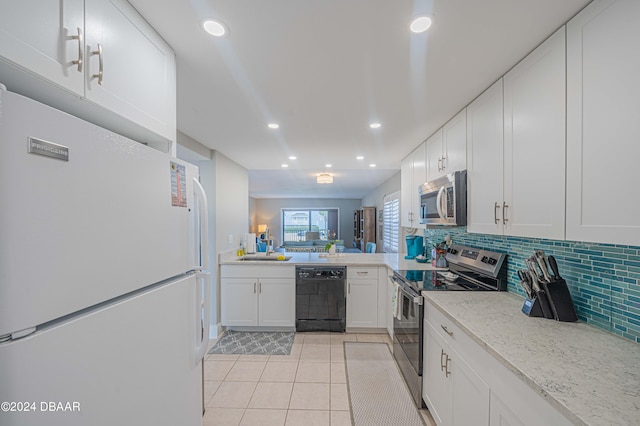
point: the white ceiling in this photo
(325, 69)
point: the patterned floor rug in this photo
(257, 343)
(377, 392)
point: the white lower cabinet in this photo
(255, 296)
(454, 393)
(465, 385)
(362, 297)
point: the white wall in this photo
(376, 198)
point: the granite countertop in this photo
(391, 260)
(591, 376)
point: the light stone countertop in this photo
(391, 260)
(589, 375)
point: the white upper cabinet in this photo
(138, 67)
(45, 37)
(446, 149)
(485, 161)
(433, 150)
(534, 143)
(603, 125)
(58, 52)
(412, 174)
(516, 148)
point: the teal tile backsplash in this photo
(603, 278)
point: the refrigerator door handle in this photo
(203, 213)
(203, 317)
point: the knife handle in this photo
(554, 268)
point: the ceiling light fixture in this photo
(328, 165)
(273, 125)
(375, 125)
(215, 28)
(285, 165)
(359, 157)
(292, 157)
(324, 178)
(420, 24)
(372, 165)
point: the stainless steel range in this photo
(470, 269)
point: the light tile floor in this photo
(307, 387)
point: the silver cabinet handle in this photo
(442, 364)
(349, 288)
(439, 164)
(254, 287)
(443, 162)
(446, 367)
(505, 206)
(100, 64)
(260, 287)
(80, 60)
(363, 272)
(495, 213)
(450, 333)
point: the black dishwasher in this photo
(321, 301)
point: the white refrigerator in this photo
(103, 282)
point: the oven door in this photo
(407, 338)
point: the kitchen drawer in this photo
(257, 271)
(359, 273)
(457, 339)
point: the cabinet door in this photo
(277, 302)
(436, 389)
(501, 414)
(470, 394)
(419, 177)
(138, 73)
(454, 144)
(485, 162)
(406, 193)
(534, 142)
(239, 301)
(433, 149)
(362, 303)
(603, 89)
(37, 35)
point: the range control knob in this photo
(492, 261)
(452, 250)
(484, 259)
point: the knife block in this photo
(537, 307)
(560, 300)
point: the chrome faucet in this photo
(266, 233)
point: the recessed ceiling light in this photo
(215, 28)
(372, 165)
(375, 125)
(328, 165)
(420, 24)
(292, 157)
(359, 157)
(285, 165)
(273, 125)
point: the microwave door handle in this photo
(439, 203)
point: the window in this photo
(297, 222)
(391, 223)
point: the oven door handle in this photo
(415, 298)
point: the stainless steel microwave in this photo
(443, 201)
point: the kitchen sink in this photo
(270, 258)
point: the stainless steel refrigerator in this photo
(103, 282)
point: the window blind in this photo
(391, 223)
